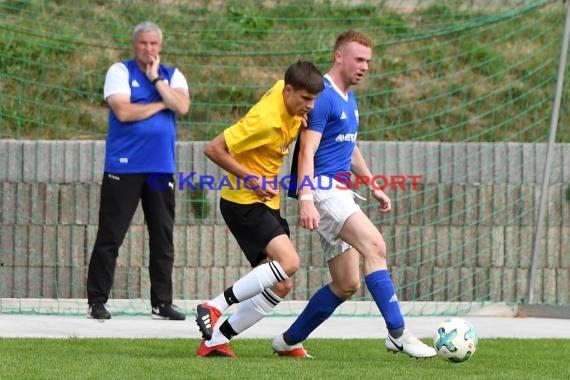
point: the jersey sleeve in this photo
(117, 81)
(248, 133)
(178, 80)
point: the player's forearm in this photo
(229, 164)
(358, 164)
(135, 112)
(306, 161)
(305, 171)
(175, 100)
(217, 151)
(359, 167)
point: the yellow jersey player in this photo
(252, 152)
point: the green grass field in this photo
(333, 359)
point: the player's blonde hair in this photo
(352, 36)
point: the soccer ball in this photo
(455, 340)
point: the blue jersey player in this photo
(326, 152)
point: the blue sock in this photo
(381, 287)
(320, 307)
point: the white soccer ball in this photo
(455, 340)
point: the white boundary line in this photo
(42, 306)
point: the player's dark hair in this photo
(304, 75)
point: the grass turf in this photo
(24, 358)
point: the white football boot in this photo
(410, 345)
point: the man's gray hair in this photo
(146, 26)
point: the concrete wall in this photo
(464, 234)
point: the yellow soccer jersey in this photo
(260, 141)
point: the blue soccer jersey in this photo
(143, 146)
(335, 116)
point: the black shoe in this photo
(99, 311)
(206, 318)
(164, 311)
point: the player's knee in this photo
(352, 287)
(291, 264)
(283, 288)
(347, 289)
(380, 248)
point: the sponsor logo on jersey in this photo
(346, 137)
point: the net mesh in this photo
(459, 93)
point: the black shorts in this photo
(254, 226)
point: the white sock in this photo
(219, 303)
(249, 313)
(253, 310)
(217, 338)
(260, 278)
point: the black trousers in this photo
(120, 195)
